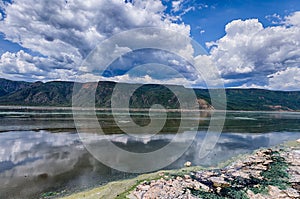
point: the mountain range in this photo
(59, 93)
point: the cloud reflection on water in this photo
(32, 162)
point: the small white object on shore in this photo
(298, 140)
(187, 164)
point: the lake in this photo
(42, 152)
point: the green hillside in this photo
(59, 93)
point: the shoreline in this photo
(11, 107)
(131, 187)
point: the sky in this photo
(247, 44)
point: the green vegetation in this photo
(59, 93)
(206, 195)
(275, 175)
(49, 194)
(225, 194)
(127, 192)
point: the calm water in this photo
(41, 150)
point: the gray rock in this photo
(292, 193)
(219, 182)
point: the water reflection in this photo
(34, 162)
(40, 150)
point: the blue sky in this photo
(251, 43)
(220, 12)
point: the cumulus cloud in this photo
(20, 62)
(253, 53)
(229, 52)
(72, 27)
(288, 79)
(23, 66)
(62, 33)
(142, 79)
(293, 19)
(58, 35)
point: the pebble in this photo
(188, 164)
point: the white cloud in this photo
(154, 6)
(274, 18)
(64, 32)
(230, 52)
(251, 52)
(2, 5)
(126, 78)
(288, 79)
(149, 80)
(293, 19)
(181, 7)
(175, 62)
(208, 73)
(176, 5)
(73, 27)
(20, 62)
(22, 65)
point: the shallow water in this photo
(41, 150)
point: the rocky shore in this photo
(268, 173)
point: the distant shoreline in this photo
(132, 109)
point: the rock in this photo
(187, 177)
(298, 140)
(205, 174)
(199, 185)
(219, 182)
(267, 162)
(260, 153)
(204, 187)
(256, 173)
(252, 195)
(179, 178)
(292, 193)
(259, 167)
(240, 174)
(275, 191)
(269, 151)
(215, 180)
(294, 179)
(187, 164)
(139, 195)
(145, 188)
